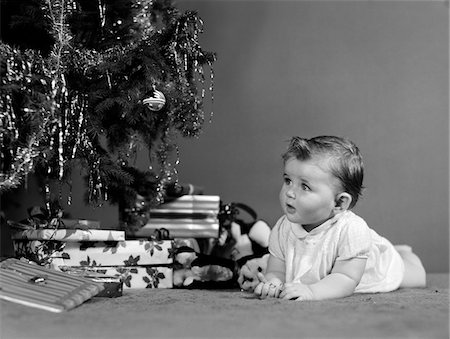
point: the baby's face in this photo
(308, 192)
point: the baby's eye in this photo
(286, 180)
(305, 187)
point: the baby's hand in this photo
(297, 291)
(267, 288)
(247, 279)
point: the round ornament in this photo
(156, 101)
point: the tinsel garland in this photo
(85, 105)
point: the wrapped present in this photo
(193, 216)
(113, 284)
(31, 285)
(43, 218)
(111, 253)
(41, 252)
(191, 203)
(178, 228)
(189, 216)
(80, 224)
(69, 235)
(133, 277)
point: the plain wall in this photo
(374, 71)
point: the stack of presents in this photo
(123, 259)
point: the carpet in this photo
(180, 313)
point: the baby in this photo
(319, 249)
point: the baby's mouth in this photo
(290, 209)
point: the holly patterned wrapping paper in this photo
(69, 235)
(133, 277)
(106, 253)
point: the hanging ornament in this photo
(156, 101)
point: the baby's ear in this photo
(342, 202)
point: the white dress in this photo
(309, 257)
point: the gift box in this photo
(69, 235)
(189, 216)
(80, 223)
(191, 203)
(111, 253)
(112, 284)
(178, 228)
(138, 263)
(31, 285)
(132, 277)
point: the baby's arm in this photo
(275, 270)
(341, 282)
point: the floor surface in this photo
(178, 313)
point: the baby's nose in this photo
(290, 193)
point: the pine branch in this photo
(83, 101)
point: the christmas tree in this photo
(90, 83)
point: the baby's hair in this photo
(345, 160)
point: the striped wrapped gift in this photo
(189, 216)
(36, 286)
